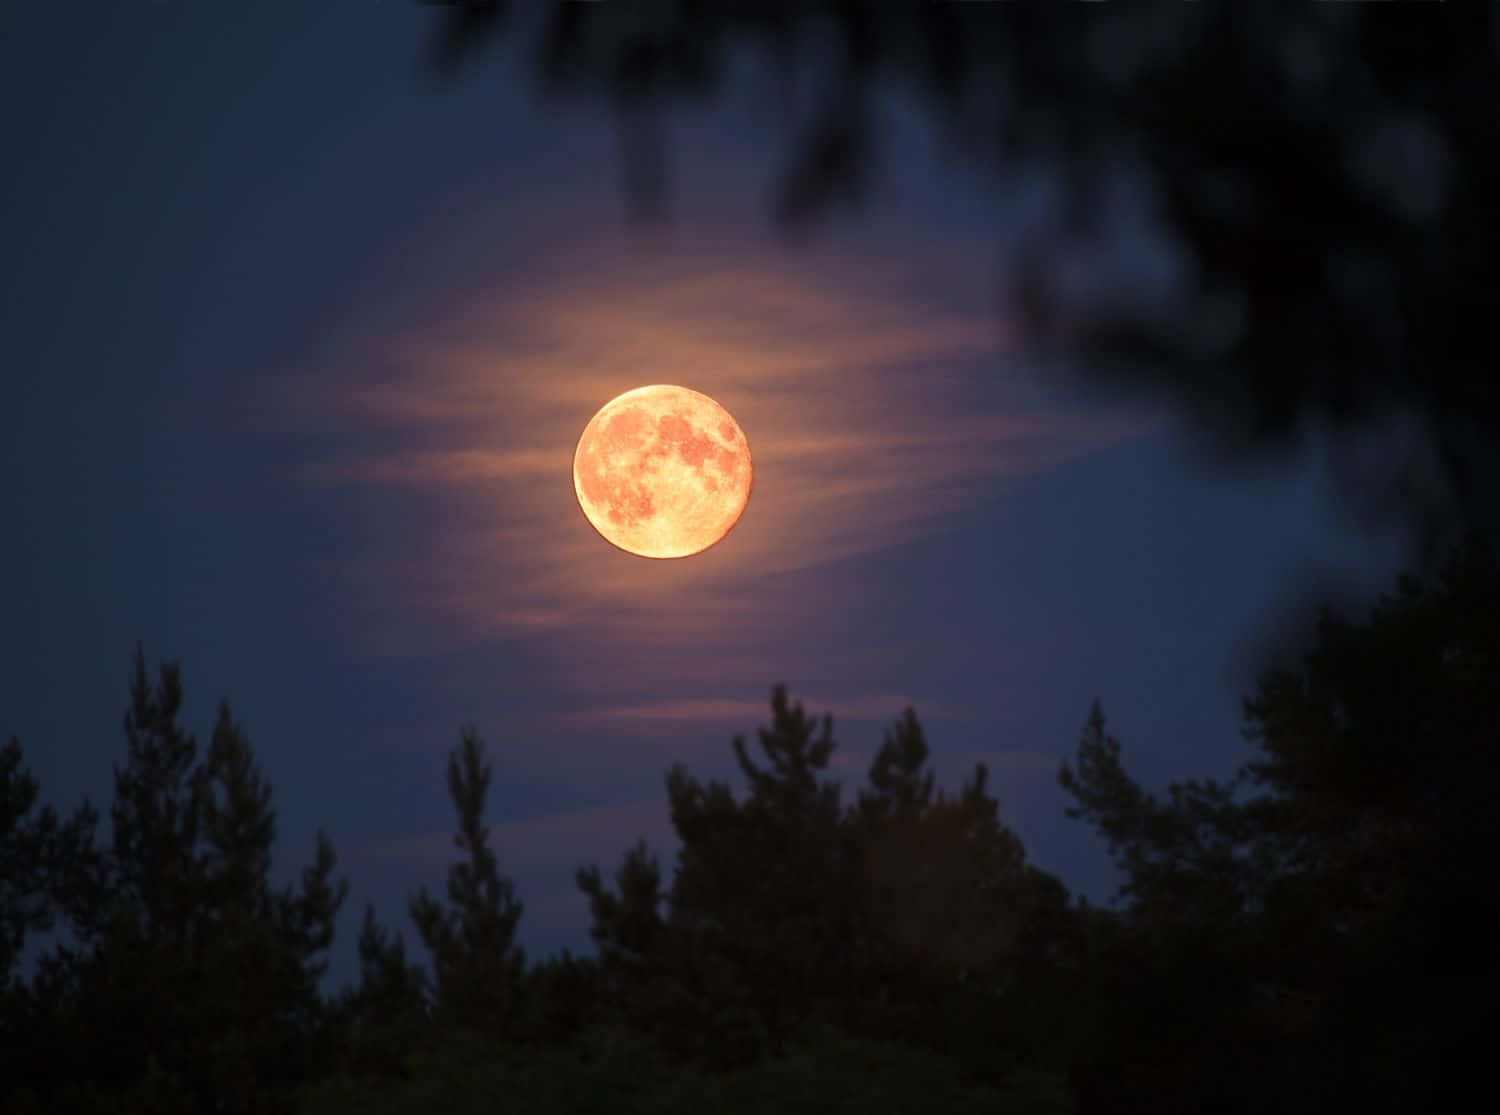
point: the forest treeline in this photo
(1314, 933)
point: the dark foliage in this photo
(183, 980)
(906, 916)
(1316, 933)
(1311, 934)
(476, 964)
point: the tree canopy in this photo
(1311, 932)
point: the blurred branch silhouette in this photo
(1324, 174)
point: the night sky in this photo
(297, 343)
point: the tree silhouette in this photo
(156, 815)
(1329, 908)
(1313, 932)
(944, 900)
(562, 997)
(1186, 860)
(627, 925)
(50, 871)
(1373, 762)
(49, 862)
(186, 980)
(476, 965)
(633, 938)
(261, 950)
(385, 1017)
(1168, 983)
(761, 885)
(942, 873)
(907, 915)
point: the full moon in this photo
(662, 471)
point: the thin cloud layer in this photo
(872, 417)
(741, 711)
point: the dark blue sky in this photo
(297, 343)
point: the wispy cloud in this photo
(872, 416)
(751, 713)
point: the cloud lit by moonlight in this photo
(662, 471)
(877, 418)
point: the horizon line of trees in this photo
(1316, 931)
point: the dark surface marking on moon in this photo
(679, 434)
(627, 502)
(624, 457)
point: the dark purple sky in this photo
(297, 343)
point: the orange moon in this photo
(662, 471)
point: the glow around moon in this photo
(662, 471)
